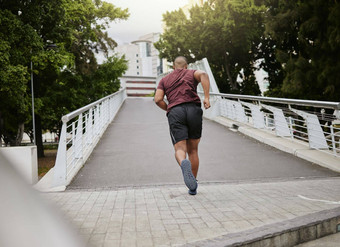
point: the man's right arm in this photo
(159, 99)
(203, 77)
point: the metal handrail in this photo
(284, 120)
(300, 102)
(80, 133)
(75, 113)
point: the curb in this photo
(287, 233)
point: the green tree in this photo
(61, 77)
(14, 75)
(71, 88)
(105, 79)
(307, 45)
(226, 32)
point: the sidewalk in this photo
(217, 215)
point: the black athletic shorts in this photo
(185, 122)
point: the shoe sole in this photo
(189, 179)
(192, 192)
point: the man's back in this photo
(180, 86)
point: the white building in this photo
(131, 53)
(143, 65)
(143, 58)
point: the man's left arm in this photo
(159, 99)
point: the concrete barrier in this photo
(286, 233)
(24, 160)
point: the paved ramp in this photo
(136, 150)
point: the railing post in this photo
(291, 127)
(86, 122)
(79, 138)
(96, 120)
(231, 113)
(281, 126)
(223, 111)
(101, 114)
(215, 109)
(89, 127)
(105, 112)
(240, 113)
(73, 133)
(316, 136)
(333, 140)
(60, 168)
(110, 109)
(213, 84)
(257, 115)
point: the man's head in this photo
(180, 63)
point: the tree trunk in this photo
(38, 136)
(227, 69)
(20, 134)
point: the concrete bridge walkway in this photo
(136, 150)
(130, 192)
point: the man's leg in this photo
(192, 149)
(185, 164)
(180, 151)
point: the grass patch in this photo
(50, 146)
(47, 162)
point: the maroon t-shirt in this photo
(180, 86)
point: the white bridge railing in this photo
(81, 131)
(316, 123)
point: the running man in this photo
(184, 114)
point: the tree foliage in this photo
(224, 31)
(296, 42)
(307, 38)
(14, 73)
(65, 78)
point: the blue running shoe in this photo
(189, 179)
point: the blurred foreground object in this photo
(25, 161)
(26, 219)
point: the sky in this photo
(145, 17)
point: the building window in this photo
(137, 67)
(148, 49)
(137, 61)
(136, 55)
(137, 73)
